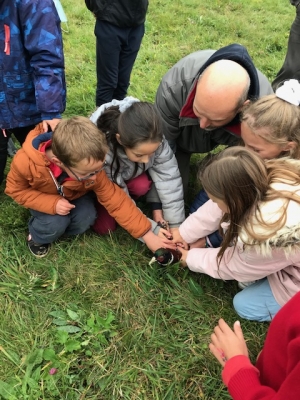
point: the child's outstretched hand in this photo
(63, 207)
(177, 239)
(165, 234)
(154, 242)
(158, 216)
(227, 343)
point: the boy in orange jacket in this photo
(54, 176)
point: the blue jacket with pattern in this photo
(32, 81)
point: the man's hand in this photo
(227, 343)
(63, 207)
(50, 122)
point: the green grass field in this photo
(94, 313)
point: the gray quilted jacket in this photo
(162, 168)
(175, 96)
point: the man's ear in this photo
(245, 104)
(118, 138)
(290, 146)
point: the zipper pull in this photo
(7, 40)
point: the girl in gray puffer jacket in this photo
(140, 161)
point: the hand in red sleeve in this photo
(227, 343)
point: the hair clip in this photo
(289, 91)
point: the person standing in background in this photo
(119, 31)
(33, 88)
(291, 66)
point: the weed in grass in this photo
(77, 340)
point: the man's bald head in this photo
(221, 92)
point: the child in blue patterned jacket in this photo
(32, 70)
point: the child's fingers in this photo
(168, 245)
(214, 339)
(166, 233)
(238, 330)
(224, 327)
(216, 352)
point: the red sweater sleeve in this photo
(242, 379)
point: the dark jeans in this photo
(46, 228)
(291, 65)
(116, 51)
(215, 238)
(20, 134)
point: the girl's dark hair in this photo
(139, 123)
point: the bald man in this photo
(200, 99)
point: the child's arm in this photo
(121, 207)
(201, 223)
(167, 185)
(241, 377)
(19, 186)
(46, 58)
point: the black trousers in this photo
(20, 135)
(116, 51)
(291, 66)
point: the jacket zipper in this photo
(60, 188)
(7, 40)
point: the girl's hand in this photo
(154, 242)
(158, 216)
(183, 256)
(165, 234)
(177, 239)
(227, 343)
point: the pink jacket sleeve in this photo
(237, 263)
(201, 223)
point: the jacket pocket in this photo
(20, 95)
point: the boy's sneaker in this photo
(38, 250)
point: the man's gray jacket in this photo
(176, 92)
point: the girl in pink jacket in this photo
(257, 206)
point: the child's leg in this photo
(139, 186)
(83, 215)
(46, 228)
(104, 222)
(256, 302)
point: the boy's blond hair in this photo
(76, 139)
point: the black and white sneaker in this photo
(38, 250)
